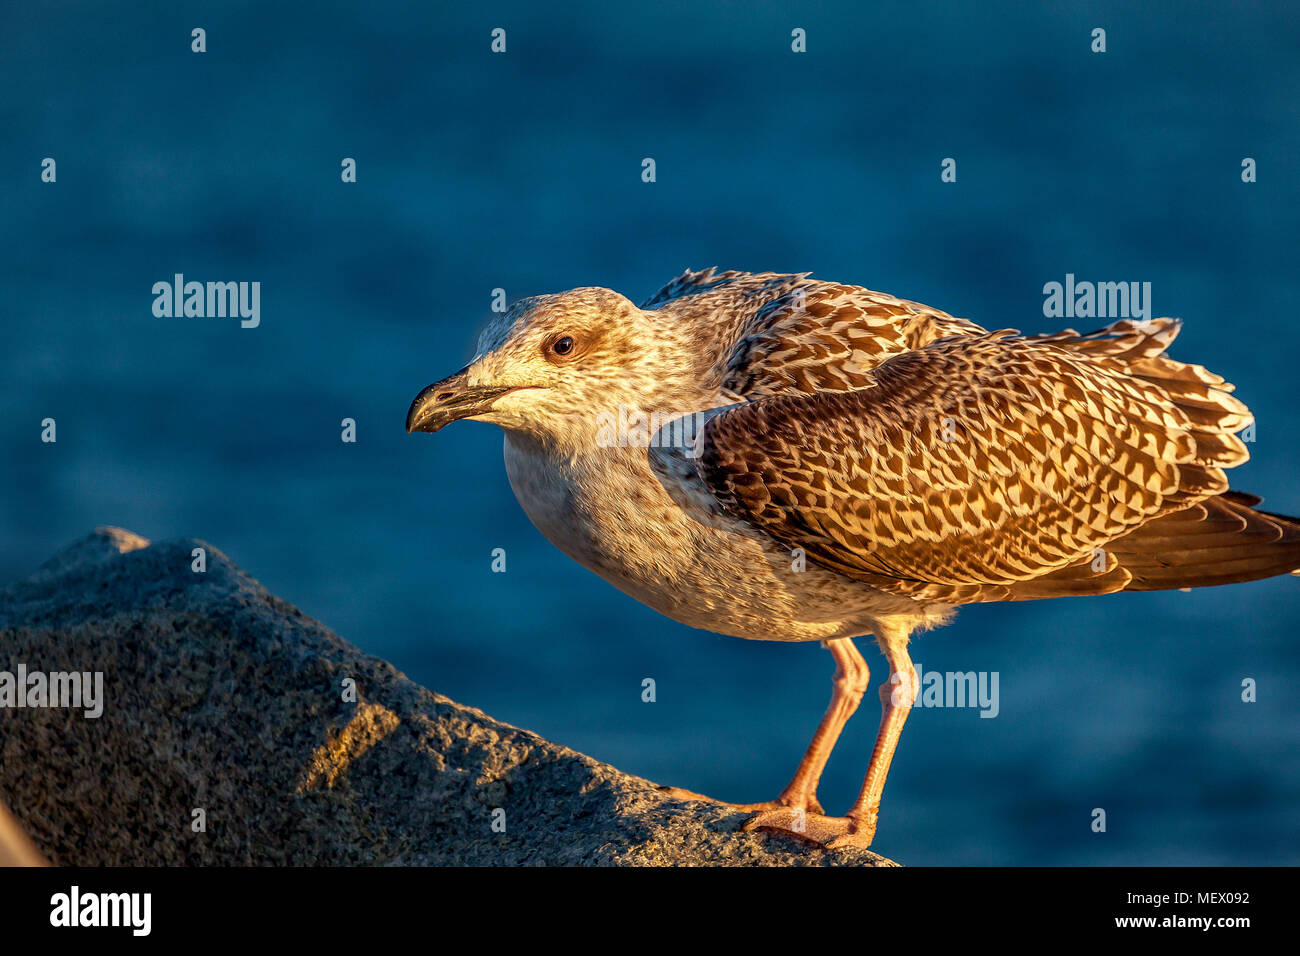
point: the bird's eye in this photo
(563, 345)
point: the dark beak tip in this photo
(431, 409)
(419, 420)
(450, 400)
(414, 416)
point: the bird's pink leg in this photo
(896, 698)
(847, 687)
(800, 795)
(858, 827)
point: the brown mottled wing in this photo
(728, 289)
(824, 336)
(767, 333)
(981, 467)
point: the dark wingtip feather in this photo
(1228, 544)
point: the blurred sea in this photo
(522, 171)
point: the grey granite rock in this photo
(220, 697)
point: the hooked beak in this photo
(451, 400)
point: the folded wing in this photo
(989, 466)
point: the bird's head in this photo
(552, 364)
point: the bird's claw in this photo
(858, 837)
(832, 833)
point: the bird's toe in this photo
(856, 837)
(812, 827)
(679, 793)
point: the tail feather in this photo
(1222, 540)
(1215, 536)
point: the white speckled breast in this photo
(641, 520)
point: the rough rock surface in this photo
(221, 697)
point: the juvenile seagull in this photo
(824, 462)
